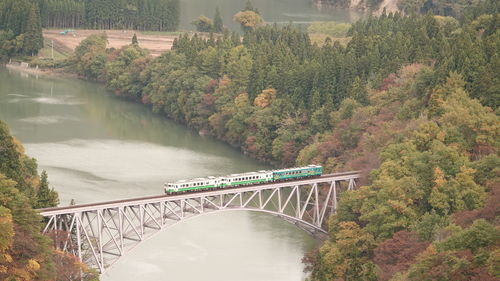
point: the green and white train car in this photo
(250, 178)
(194, 184)
(299, 172)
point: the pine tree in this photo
(218, 25)
(46, 197)
(358, 91)
(249, 7)
(134, 40)
(33, 39)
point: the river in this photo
(96, 147)
(301, 12)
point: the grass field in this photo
(48, 52)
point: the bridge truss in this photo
(99, 234)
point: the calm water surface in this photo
(301, 12)
(96, 147)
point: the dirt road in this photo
(156, 44)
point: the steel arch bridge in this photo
(101, 233)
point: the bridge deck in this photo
(158, 198)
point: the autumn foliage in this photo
(398, 253)
(26, 254)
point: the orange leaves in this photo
(439, 179)
(265, 98)
(33, 265)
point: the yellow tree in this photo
(248, 20)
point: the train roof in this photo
(248, 174)
(192, 180)
(243, 174)
(295, 168)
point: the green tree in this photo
(134, 40)
(203, 24)
(218, 25)
(347, 256)
(33, 40)
(249, 7)
(46, 197)
(358, 91)
(90, 56)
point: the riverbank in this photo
(52, 72)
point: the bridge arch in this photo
(100, 234)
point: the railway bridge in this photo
(100, 233)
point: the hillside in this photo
(410, 100)
(26, 254)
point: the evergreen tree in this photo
(33, 39)
(46, 197)
(203, 24)
(134, 40)
(358, 91)
(249, 7)
(218, 25)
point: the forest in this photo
(20, 28)
(273, 92)
(21, 21)
(26, 254)
(413, 101)
(158, 15)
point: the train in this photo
(250, 178)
